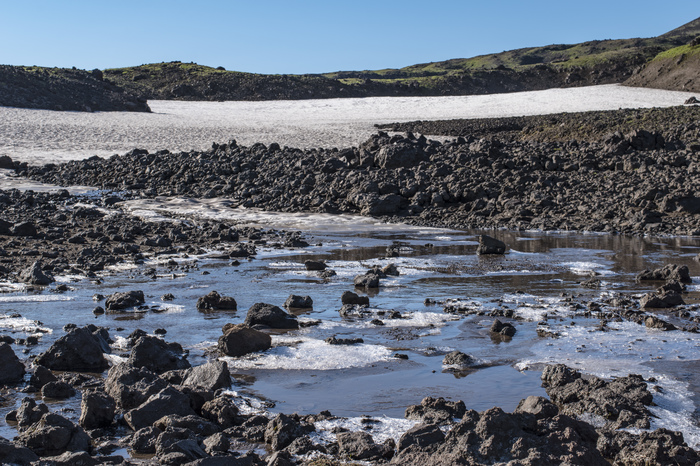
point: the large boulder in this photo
(489, 245)
(166, 402)
(156, 355)
(348, 297)
(96, 410)
(124, 300)
(662, 300)
(53, 435)
(239, 340)
(210, 376)
(359, 446)
(299, 302)
(283, 429)
(400, 155)
(131, 386)
(435, 410)
(80, 350)
(215, 302)
(267, 315)
(14, 454)
(222, 411)
(12, 368)
(668, 272)
(35, 276)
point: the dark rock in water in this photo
(668, 272)
(167, 297)
(283, 429)
(343, 341)
(422, 436)
(239, 340)
(29, 412)
(506, 329)
(299, 302)
(41, 377)
(488, 245)
(314, 265)
(216, 444)
(214, 301)
(6, 162)
(35, 276)
(178, 446)
(96, 410)
(120, 301)
(57, 390)
(243, 250)
(655, 322)
(12, 368)
(436, 410)
(268, 315)
(81, 350)
(622, 402)
(457, 358)
(166, 402)
(156, 355)
(13, 454)
(210, 376)
(368, 280)
(351, 298)
(131, 386)
(53, 435)
(359, 446)
(660, 301)
(539, 406)
(390, 269)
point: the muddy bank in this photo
(637, 182)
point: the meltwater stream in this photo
(539, 280)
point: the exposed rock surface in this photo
(81, 349)
(240, 339)
(268, 315)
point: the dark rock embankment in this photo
(637, 182)
(64, 89)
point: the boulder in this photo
(268, 315)
(401, 154)
(53, 435)
(178, 446)
(210, 376)
(130, 386)
(457, 358)
(80, 350)
(505, 329)
(124, 300)
(166, 402)
(24, 229)
(35, 276)
(538, 406)
(421, 435)
(489, 245)
(221, 411)
(351, 298)
(283, 429)
(239, 340)
(299, 302)
(314, 265)
(58, 390)
(12, 368)
(436, 410)
(655, 322)
(41, 377)
(96, 410)
(156, 355)
(368, 280)
(661, 301)
(12, 454)
(215, 302)
(29, 412)
(358, 446)
(143, 441)
(198, 425)
(679, 273)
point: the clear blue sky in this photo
(297, 36)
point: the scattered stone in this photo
(679, 273)
(268, 315)
(489, 245)
(314, 265)
(343, 341)
(120, 301)
(299, 302)
(57, 390)
(436, 410)
(96, 410)
(81, 350)
(35, 276)
(156, 355)
(505, 329)
(214, 302)
(351, 298)
(457, 358)
(240, 339)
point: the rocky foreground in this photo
(640, 181)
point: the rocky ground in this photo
(544, 176)
(64, 89)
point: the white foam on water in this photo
(11, 287)
(69, 278)
(383, 428)
(248, 405)
(587, 268)
(34, 298)
(22, 324)
(311, 354)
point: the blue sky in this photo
(288, 36)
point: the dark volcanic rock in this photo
(268, 315)
(12, 368)
(125, 300)
(488, 245)
(214, 301)
(359, 446)
(241, 339)
(314, 265)
(299, 302)
(57, 390)
(130, 386)
(679, 273)
(156, 355)
(80, 350)
(436, 410)
(457, 358)
(35, 276)
(166, 402)
(53, 435)
(351, 298)
(210, 376)
(282, 430)
(96, 410)
(13, 454)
